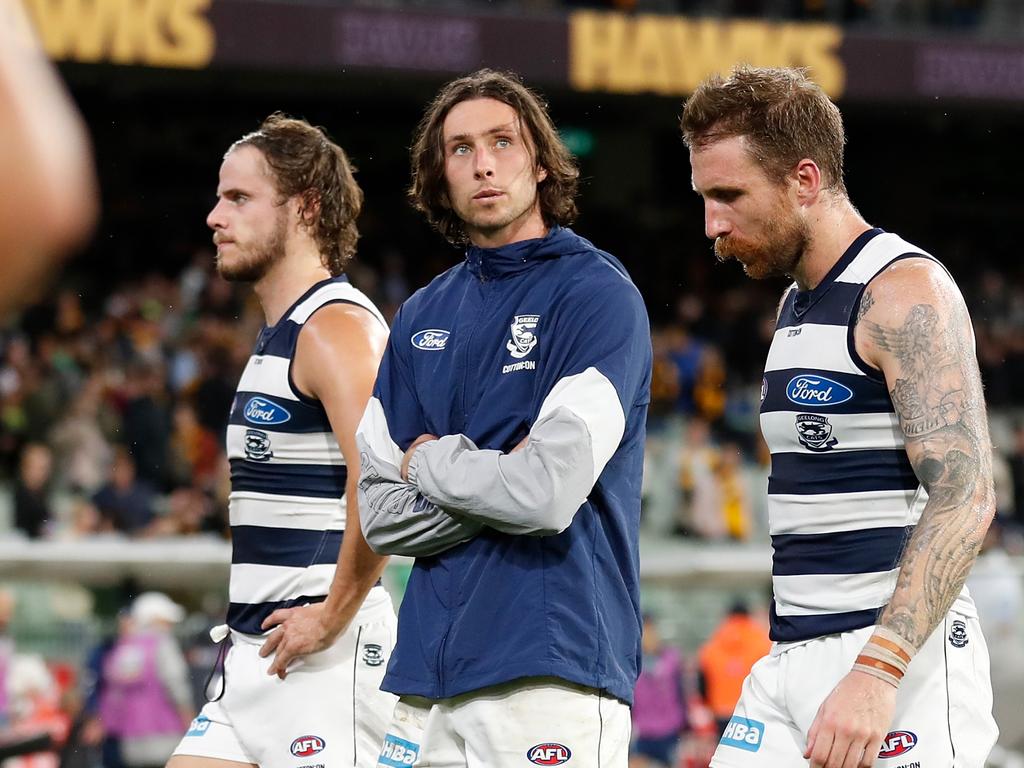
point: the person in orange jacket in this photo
(726, 658)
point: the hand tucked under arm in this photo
(397, 519)
(535, 490)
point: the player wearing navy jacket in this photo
(519, 634)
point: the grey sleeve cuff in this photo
(396, 519)
(535, 491)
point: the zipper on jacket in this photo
(484, 290)
(440, 662)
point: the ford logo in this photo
(431, 340)
(259, 410)
(816, 391)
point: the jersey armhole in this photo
(302, 396)
(851, 347)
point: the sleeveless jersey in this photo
(287, 502)
(843, 498)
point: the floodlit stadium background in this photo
(138, 343)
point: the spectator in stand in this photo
(1016, 461)
(726, 658)
(32, 492)
(145, 698)
(146, 423)
(659, 703)
(126, 502)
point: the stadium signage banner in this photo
(155, 33)
(670, 55)
(588, 51)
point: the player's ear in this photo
(806, 177)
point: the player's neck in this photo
(833, 230)
(287, 280)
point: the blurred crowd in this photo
(113, 408)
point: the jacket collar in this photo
(493, 263)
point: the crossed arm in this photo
(441, 492)
(913, 325)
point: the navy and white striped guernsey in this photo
(287, 504)
(843, 498)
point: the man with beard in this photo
(303, 581)
(519, 634)
(881, 484)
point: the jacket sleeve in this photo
(395, 517)
(604, 373)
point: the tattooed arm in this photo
(919, 334)
(913, 326)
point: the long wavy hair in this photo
(307, 164)
(429, 190)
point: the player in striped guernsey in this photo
(303, 581)
(881, 484)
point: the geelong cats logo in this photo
(524, 337)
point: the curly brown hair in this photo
(429, 190)
(784, 115)
(307, 164)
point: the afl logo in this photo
(812, 391)
(431, 340)
(897, 743)
(304, 746)
(260, 410)
(548, 754)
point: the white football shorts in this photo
(328, 712)
(533, 721)
(943, 713)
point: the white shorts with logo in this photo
(943, 716)
(327, 713)
(534, 721)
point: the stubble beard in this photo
(775, 254)
(253, 266)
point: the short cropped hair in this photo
(429, 190)
(783, 114)
(305, 163)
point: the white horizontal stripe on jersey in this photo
(298, 512)
(333, 292)
(852, 431)
(879, 251)
(271, 583)
(837, 512)
(817, 347)
(592, 397)
(267, 375)
(373, 429)
(815, 594)
(289, 448)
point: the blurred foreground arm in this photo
(47, 179)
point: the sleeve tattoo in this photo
(938, 399)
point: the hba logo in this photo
(304, 746)
(548, 754)
(897, 743)
(397, 753)
(743, 733)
